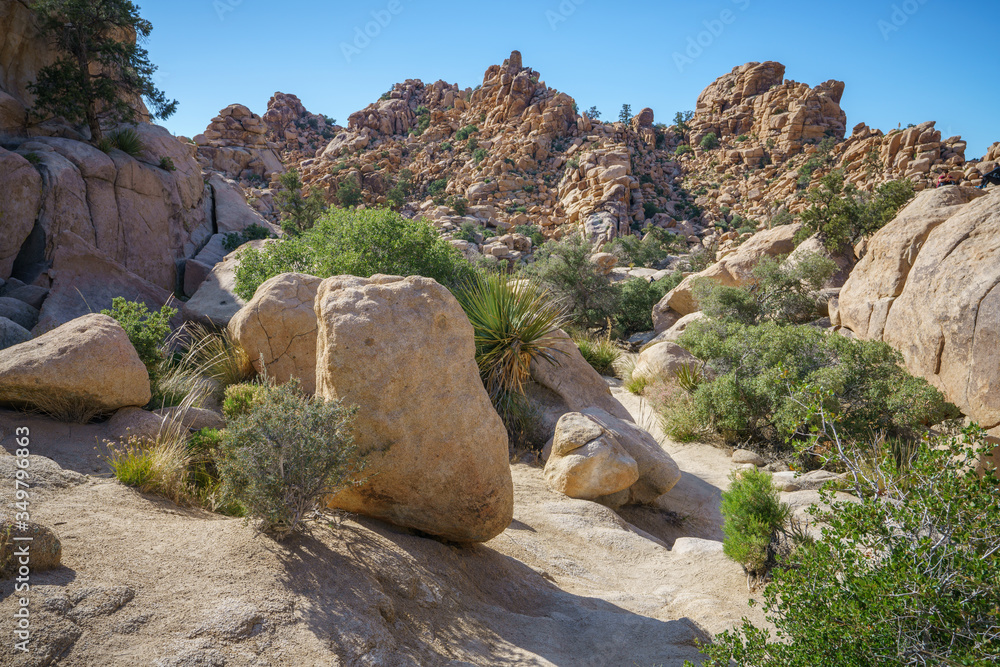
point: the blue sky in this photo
(903, 61)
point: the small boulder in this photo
(88, 362)
(45, 550)
(741, 456)
(586, 461)
(33, 295)
(18, 311)
(662, 361)
(403, 350)
(12, 333)
(277, 328)
(194, 419)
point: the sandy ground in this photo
(145, 582)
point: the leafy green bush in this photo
(636, 298)
(762, 374)
(683, 149)
(514, 325)
(147, 330)
(843, 215)
(565, 269)
(437, 187)
(479, 155)
(710, 141)
(466, 132)
(600, 352)
(650, 209)
(298, 212)
(644, 251)
(459, 204)
(753, 519)
(445, 146)
(908, 577)
(349, 193)
(779, 291)
(167, 164)
(254, 232)
(283, 456)
(359, 243)
(241, 398)
(742, 138)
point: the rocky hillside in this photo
(514, 151)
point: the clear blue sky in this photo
(903, 61)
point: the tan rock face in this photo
(402, 350)
(733, 270)
(22, 197)
(89, 361)
(587, 462)
(662, 361)
(235, 143)
(278, 327)
(929, 286)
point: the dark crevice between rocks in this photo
(30, 262)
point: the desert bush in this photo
(479, 154)
(710, 141)
(241, 398)
(564, 268)
(779, 291)
(154, 465)
(646, 251)
(683, 149)
(907, 577)
(282, 457)
(216, 355)
(298, 212)
(466, 132)
(842, 215)
(233, 240)
(437, 187)
(125, 139)
(533, 232)
(636, 298)
(147, 330)
(349, 193)
(676, 411)
(514, 325)
(763, 373)
(753, 518)
(167, 164)
(600, 352)
(359, 243)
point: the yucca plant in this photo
(689, 377)
(125, 139)
(217, 355)
(515, 323)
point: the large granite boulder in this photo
(277, 328)
(88, 364)
(402, 350)
(586, 461)
(929, 285)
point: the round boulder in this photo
(662, 361)
(586, 461)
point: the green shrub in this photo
(842, 215)
(753, 518)
(469, 231)
(479, 155)
(650, 209)
(676, 412)
(147, 330)
(683, 149)
(763, 372)
(565, 269)
(742, 138)
(241, 398)
(908, 577)
(644, 251)
(125, 139)
(533, 232)
(636, 298)
(710, 141)
(779, 291)
(283, 456)
(349, 193)
(600, 352)
(460, 205)
(446, 146)
(233, 240)
(514, 325)
(167, 164)
(298, 212)
(33, 158)
(359, 243)
(466, 132)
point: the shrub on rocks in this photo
(753, 520)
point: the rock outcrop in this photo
(277, 328)
(87, 366)
(235, 144)
(929, 285)
(402, 350)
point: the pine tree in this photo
(101, 72)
